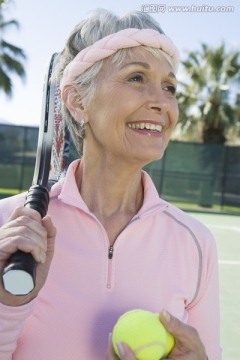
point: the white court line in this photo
(223, 227)
(229, 262)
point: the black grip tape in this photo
(37, 199)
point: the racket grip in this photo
(38, 199)
(19, 273)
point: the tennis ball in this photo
(143, 332)
(169, 344)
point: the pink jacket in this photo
(162, 259)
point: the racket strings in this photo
(61, 141)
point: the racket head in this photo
(61, 140)
(53, 139)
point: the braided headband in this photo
(110, 44)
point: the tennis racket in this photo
(51, 161)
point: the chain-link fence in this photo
(17, 158)
(199, 175)
(192, 175)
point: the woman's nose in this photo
(157, 101)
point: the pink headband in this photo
(110, 44)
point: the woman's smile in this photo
(146, 128)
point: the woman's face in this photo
(134, 110)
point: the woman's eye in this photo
(136, 78)
(171, 89)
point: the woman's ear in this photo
(72, 100)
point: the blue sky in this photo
(46, 24)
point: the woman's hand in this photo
(26, 231)
(188, 345)
(124, 350)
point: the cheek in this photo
(104, 115)
(174, 113)
(114, 107)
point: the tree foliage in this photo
(11, 56)
(209, 97)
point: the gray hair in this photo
(98, 25)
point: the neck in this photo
(109, 188)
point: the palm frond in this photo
(15, 50)
(5, 24)
(12, 65)
(5, 82)
(211, 79)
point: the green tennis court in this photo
(226, 230)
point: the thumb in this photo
(187, 340)
(47, 223)
(183, 334)
(51, 234)
(173, 325)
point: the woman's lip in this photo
(148, 132)
(145, 126)
(154, 122)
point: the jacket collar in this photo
(70, 194)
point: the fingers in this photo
(24, 211)
(171, 323)
(177, 328)
(187, 340)
(26, 231)
(110, 351)
(51, 234)
(48, 225)
(125, 352)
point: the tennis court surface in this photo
(226, 230)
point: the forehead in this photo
(152, 58)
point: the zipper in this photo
(110, 252)
(109, 275)
(110, 259)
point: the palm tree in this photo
(209, 103)
(209, 96)
(10, 55)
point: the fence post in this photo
(161, 178)
(22, 169)
(224, 172)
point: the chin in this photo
(154, 157)
(145, 155)
(159, 157)
(157, 154)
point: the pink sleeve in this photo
(11, 323)
(11, 318)
(204, 313)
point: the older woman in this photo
(118, 245)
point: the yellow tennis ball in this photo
(143, 332)
(169, 344)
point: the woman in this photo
(118, 245)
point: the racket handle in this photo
(19, 273)
(38, 199)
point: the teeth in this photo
(147, 126)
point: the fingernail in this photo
(166, 315)
(121, 349)
(42, 257)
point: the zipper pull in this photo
(110, 252)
